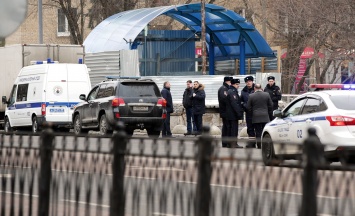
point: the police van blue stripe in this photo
(39, 104)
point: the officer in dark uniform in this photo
(234, 112)
(222, 99)
(274, 92)
(247, 90)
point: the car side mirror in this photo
(4, 100)
(277, 113)
(82, 97)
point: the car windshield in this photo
(138, 89)
(345, 102)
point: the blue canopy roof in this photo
(224, 28)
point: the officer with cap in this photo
(234, 112)
(274, 92)
(247, 90)
(222, 97)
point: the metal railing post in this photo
(45, 175)
(117, 202)
(313, 157)
(203, 192)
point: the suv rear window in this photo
(343, 101)
(138, 89)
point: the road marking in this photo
(5, 175)
(19, 194)
(85, 203)
(163, 214)
(156, 168)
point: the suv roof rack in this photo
(123, 77)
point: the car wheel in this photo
(267, 151)
(7, 125)
(129, 132)
(103, 125)
(78, 126)
(153, 133)
(34, 125)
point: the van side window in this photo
(92, 95)
(101, 92)
(12, 98)
(22, 92)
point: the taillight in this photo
(118, 102)
(117, 115)
(164, 116)
(43, 109)
(161, 102)
(340, 120)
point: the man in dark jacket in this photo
(198, 105)
(274, 92)
(247, 90)
(165, 93)
(234, 112)
(260, 105)
(222, 99)
(187, 103)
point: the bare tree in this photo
(75, 17)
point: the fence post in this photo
(203, 192)
(45, 176)
(117, 202)
(313, 157)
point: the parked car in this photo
(134, 101)
(331, 113)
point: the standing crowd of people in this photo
(257, 104)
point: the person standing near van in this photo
(234, 112)
(198, 105)
(187, 103)
(260, 106)
(274, 92)
(248, 90)
(222, 103)
(165, 92)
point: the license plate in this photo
(56, 110)
(140, 108)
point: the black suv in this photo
(136, 102)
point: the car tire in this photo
(7, 126)
(153, 133)
(103, 127)
(35, 128)
(267, 151)
(78, 127)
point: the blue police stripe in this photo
(39, 104)
(316, 118)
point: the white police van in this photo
(45, 92)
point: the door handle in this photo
(308, 121)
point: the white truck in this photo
(14, 57)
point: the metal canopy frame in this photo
(228, 35)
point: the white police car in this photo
(330, 112)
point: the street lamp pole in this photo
(40, 23)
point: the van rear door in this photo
(56, 97)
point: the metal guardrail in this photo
(62, 174)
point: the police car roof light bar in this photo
(332, 86)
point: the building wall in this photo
(27, 33)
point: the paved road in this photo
(157, 185)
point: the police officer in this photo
(247, 90)
(234, 111)
(222, 99)
(274, 92)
